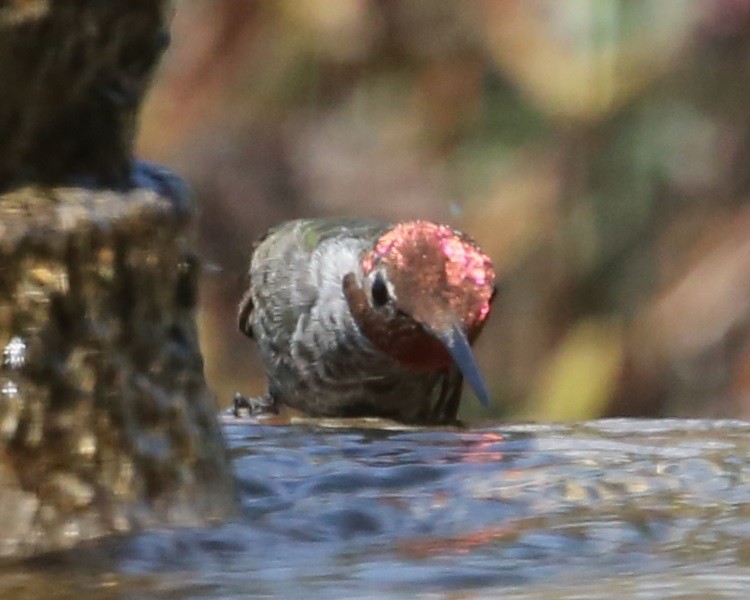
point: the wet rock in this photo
(106, 423)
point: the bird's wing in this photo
(245, 308)
(245, 312)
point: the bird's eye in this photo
(379, 291)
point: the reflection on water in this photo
(613, 509)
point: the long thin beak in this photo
(455, 341)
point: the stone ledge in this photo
(106, 423)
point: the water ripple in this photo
(609, 509)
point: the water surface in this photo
(608, 509)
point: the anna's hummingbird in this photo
(359, 318)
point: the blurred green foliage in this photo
(598, 149)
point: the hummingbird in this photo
(360, 318)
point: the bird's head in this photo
(424, 296)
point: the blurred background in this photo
(599, 150)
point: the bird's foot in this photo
(244, 407)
